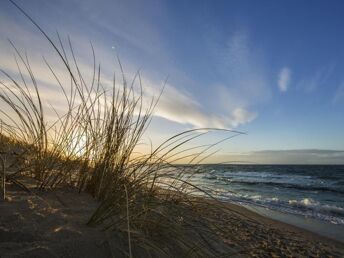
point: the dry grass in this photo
(92, 146)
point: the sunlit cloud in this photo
(180, 107)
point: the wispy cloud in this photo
(244, 79)
(339, 94)
(174, 105)
(303, 156)
(299, 156)
(245, 69)
(180, 107)
(244, 82)
(317, 79)
(242, 116)
(284, 78)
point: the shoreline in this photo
(314, 226)
(285, 222)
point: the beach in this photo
(53, 224)
(171, 129)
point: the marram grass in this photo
(92, 146)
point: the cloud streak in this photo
(339, 94)
(180, 107)
(299, 156)
(244, 81)
(284, 78)
(318, 79)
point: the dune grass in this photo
(92, 146)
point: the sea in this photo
(309, 191)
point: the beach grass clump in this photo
(92, 146)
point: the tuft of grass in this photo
(92, 146)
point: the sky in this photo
(271, 69)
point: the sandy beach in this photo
(53, 224)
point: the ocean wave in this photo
(308, 191)
(264, 177)
(254, 174)
(304, 207)
(299, 182)
(298, 186)
(310, 204)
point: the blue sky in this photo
(273, 69)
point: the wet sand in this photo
(322, 228)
